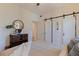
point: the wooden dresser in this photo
(17, 39)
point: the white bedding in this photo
(21, 50)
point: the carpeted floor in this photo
(41, 48)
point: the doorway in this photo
(34, 31)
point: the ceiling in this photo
(42, 9)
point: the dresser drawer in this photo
(14, 38)
(18, 39)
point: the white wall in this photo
(10, 12)
(28, 17)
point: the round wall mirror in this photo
(18, 25)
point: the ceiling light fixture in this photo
(40, 15)
(37, 4)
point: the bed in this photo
(20, 50)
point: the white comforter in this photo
(21, 50)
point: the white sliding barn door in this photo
(68, 29)
(48, 31)
(77, 24)
(58, 32)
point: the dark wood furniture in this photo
(17, 39)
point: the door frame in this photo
(34, 31)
